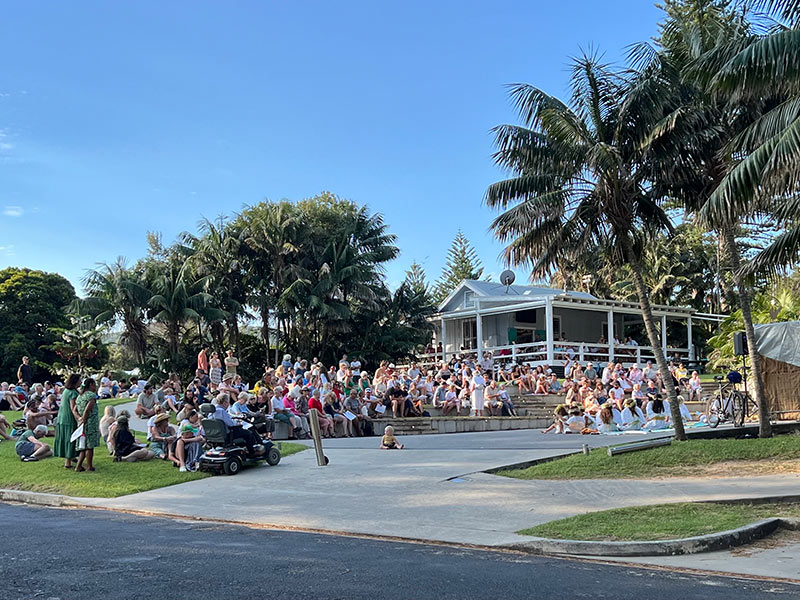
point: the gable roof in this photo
(511, 293)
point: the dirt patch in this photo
(782, 537)
(734, 468)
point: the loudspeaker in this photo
(739, 343)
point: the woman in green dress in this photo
(86, 404)
(67, 422)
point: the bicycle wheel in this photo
(713, 410)
(739, 408)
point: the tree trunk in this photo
(764, 426)
(655, 343)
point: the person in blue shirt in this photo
(221, 414)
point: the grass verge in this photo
(111, 479)
(695, 457)
(660, 521)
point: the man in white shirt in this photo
(413, 371)
(487, 364)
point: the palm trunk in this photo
(764, 426)
(655, 343)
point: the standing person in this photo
(67, 422)
(476, 389)
(202, 359)
(231, 362)
(86, 405)
(25, 371)
(216, 369)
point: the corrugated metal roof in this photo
(491, 288)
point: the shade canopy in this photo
(779, 341)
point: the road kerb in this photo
(722, 540)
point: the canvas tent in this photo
(779, 347)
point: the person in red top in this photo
(202, 360)
(325, 423)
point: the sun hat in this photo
(161, 417)
(227, 376)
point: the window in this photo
(469, 299)
(470, 334)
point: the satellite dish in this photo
(507, 277)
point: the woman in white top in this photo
(632, 416)
(476, 389)
(657, 413)
(606, 423)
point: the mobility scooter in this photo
(227, 453)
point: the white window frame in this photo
(469, 299)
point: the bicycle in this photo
(729, 404)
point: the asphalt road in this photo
(65, 554)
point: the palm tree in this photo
(691, 144)
(578, 182)
(177, 298)
(272, 234)
(216, 256)
(116, 293)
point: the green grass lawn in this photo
(660, 521)
(110, 480)
(680, 458)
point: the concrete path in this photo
(135, 423)
(428, 492)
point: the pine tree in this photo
(417, 282)
(462, 263)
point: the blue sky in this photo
(118, 118)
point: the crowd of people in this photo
(348, 399)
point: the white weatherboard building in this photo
(539, 325)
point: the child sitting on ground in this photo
(560, 416)
(389, 442)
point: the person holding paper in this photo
(334, 408)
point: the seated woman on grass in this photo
(606, 423)
(188, 448)
(657, 413)
(125, 445)
(632, 416)
(162, 434)
(28, 446)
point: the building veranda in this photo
(546, 326)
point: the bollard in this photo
(586, 449)
(321, 460)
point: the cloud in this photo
(13, 211)
(5, 145)
(7, 250)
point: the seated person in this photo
(146, 402)
(606, 420)
(109, 418)
(632, 416)
(283, 414)
(491, 397)
(657, 413)
(188, 448)
(509, 410)
(541, 385)
(34, 415)
(249, 437)
(388, 441)
(325, 423)
(291, 402)
(162, 435)
(28, 446)
(451, 401)
(560, 416)
(104, 390)
(5, 426)
(125, 445)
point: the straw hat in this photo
(161, 417)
